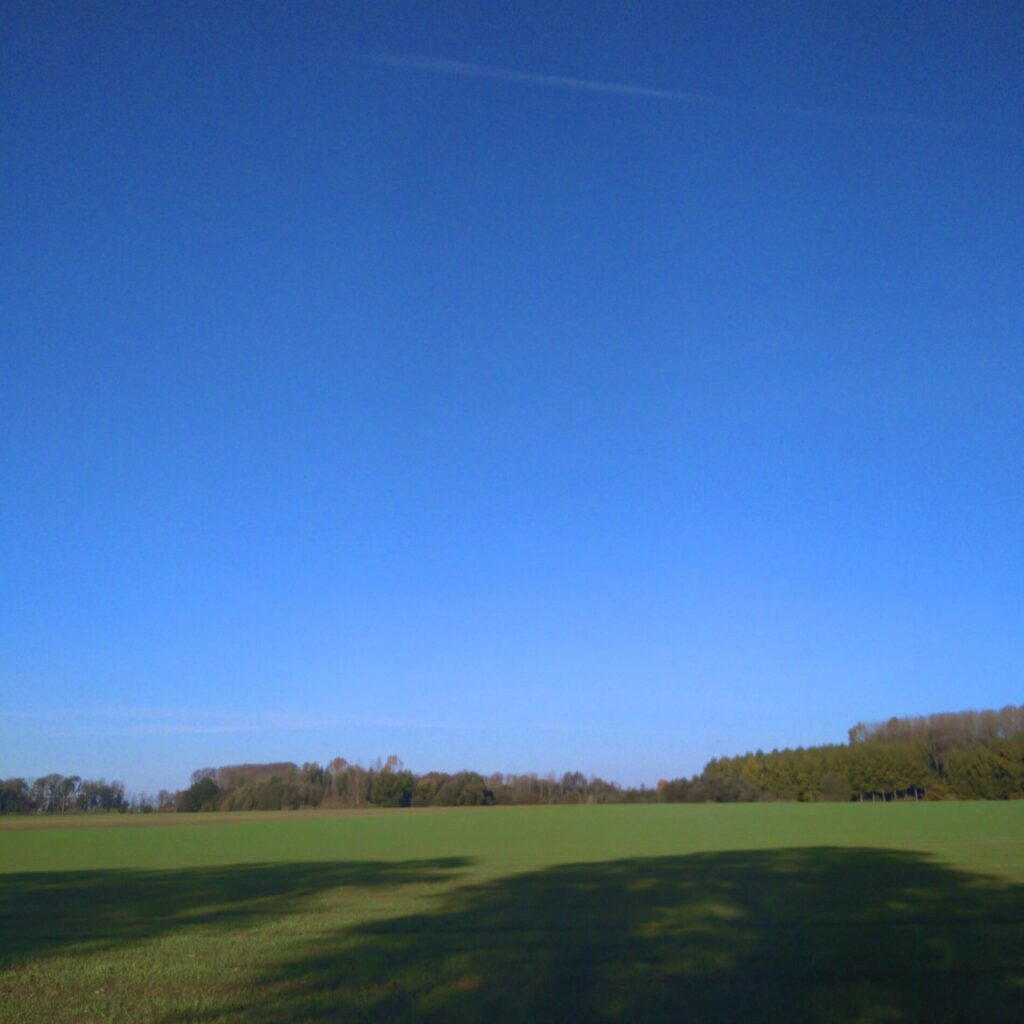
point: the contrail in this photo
(693, 99)
(458, 67)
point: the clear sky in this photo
(505, 386)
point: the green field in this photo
(807, 912)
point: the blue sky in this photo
(516, 387)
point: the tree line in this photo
(387, 783)
(969, 755)
(962, 755)
(60, 794)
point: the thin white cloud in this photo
(467, 69)
(70, 722)
(121, 721)
(458, 67)
(609, 730)
(66, 722)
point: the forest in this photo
(969, 755)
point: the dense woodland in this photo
(966, 755)
(60, 794)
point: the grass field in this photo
(895, 912)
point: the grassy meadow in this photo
(802, 912)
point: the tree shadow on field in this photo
(88, 911)
(784, 935)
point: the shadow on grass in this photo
(89, 911)
(784, 935)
